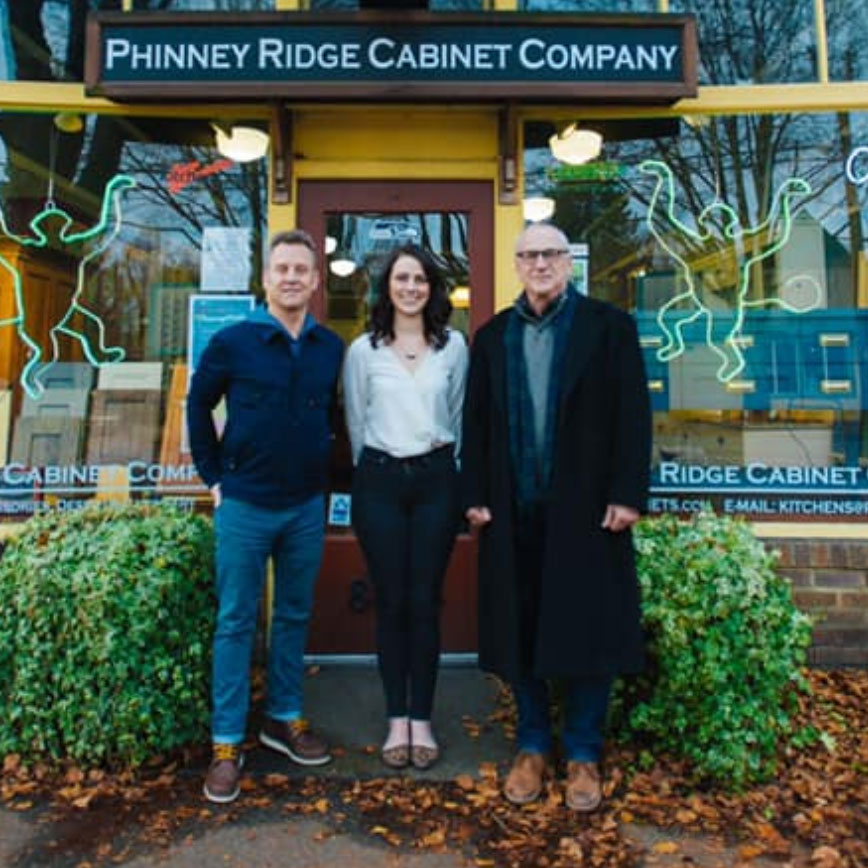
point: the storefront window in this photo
(847, 24)
(754, 41)
(124, 244)
(205, 5)
(739, 244)
(433, 5)
(43, 40)
(588, 5)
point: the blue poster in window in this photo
(210, 313)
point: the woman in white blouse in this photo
(403, 388)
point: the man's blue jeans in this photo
(246, 536)
(585, 703)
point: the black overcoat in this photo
(589, 622)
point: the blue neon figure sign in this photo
(87, 244)
(743, 246)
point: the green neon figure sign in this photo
(53, 224)
(741, 249)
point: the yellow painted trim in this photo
(37, 96)
(821, 41)
(797, 530)
(743, 99)
(420, 170)
(508, 223)
(504, 5)
(281, 217)
(289, 5)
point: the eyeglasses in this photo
(548, 255)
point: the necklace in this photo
(410, 354)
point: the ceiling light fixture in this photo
(331, 244)
(538, 208)
(460, 297)
(575, 146)
(342, 267)
(239, 143)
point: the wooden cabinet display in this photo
(56, 402)
(124, 426)
(40, 441)
(5, 418)
(68, 375)
(48, 283)
(175, 448)
(131, 376)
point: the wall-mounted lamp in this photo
(575, 146)
(342, 267)
(460, 297)
(538, 208)
(239, 143)
(69, 122)
(331, 244)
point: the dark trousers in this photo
(585, 698)
(405, 512)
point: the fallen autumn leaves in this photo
(816, 806)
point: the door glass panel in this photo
(357, 246)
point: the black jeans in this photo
(405, 512)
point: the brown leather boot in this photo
(524, 781)
(222, 783)
(583, 792)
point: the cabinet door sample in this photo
(57, 402)
(41, 441)
(124, 426)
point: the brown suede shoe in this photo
(222, 783)
(297, 740)
(583, 792)
(524, 781)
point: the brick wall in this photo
(830, 581)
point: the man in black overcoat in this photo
(555, 467)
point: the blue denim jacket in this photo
(280, 397)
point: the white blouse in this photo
(400, 411)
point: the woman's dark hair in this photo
(435, 314)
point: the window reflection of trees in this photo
(205, 5)
(754, 41)
(588, 5)
(159, 245)
(741, 161)
(847, 29)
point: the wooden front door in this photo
(358, 223)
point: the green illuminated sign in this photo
(86, 245)
(743, 246)
(601, 171)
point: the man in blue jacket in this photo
(278, 372)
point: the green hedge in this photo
(106, 619)
(726, 646)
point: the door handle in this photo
(360, 595)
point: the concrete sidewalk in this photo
(346, 703)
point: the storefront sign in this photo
(372, 55)
(758, 489)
